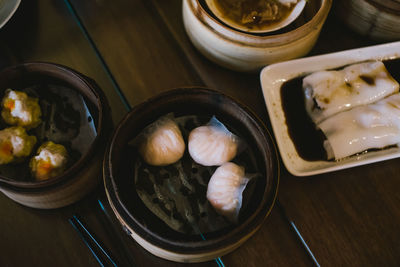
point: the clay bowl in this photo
(84, 173)
(144, 226)
(246, 51)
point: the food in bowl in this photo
(254, 15)
(360, 114)
(50, 161)
(20, 109)
(201, 234)
(162, 143)
(177, 192)
(225, 188)
(15, 144)
(212, 144)
(54, 118)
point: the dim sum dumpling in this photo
(162, 143)
(330, 92)
(212, 144)
(15, 143)
(20, 109)
(50, 161)
(371, 126)
(225, 189)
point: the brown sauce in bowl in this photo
(307, 140)
(253, 14)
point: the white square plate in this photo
(272, 78)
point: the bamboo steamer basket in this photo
(150, 231)
(80, 178)
(375, 19)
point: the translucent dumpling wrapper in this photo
(15, 144)
(212, 144)
(162, 143)
(330, 92)
(50, 161)
(225, 190)
(365, 127)
(20, 109)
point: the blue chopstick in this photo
(77, 224)
(298, 234)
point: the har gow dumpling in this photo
(212, 144)
(225, 189)
(162, 143)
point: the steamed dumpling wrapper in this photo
(162, 143)
(212, 144)
(330, 92)
(225, 189)
(50, 161)
(15, 144)
(20, 109)
(372, 126)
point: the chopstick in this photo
(196, 229)
(297, 232)
(99, 253)
(117, 238)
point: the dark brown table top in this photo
(348, 217)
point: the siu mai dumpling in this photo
(162, 143)
(330, 92)
(20, 109)
(50, 161)
(365, 127)
(15, 144)
(225, 188)
(212, 144)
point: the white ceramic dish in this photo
(272, 78)
(7, 9)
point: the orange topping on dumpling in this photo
(10, 104)
(6, 149)
(43, 169)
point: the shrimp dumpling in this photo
(15, 143)
(20, 109)
(225, 189)
(50, 161)
(212, 144)
(163, 143)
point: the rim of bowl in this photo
(246, 228)
(60, 72)
(11, 13)
(249, 39)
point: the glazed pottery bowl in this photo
(244, 51)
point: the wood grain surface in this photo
(348, 218)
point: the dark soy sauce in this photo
(307, 140)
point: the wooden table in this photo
(139, 48)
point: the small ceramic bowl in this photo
(7, 10)
(376, 19)
(244, 51)
(83, 173)
(145, 227)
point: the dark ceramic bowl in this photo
(149, 230)
(84, 170)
